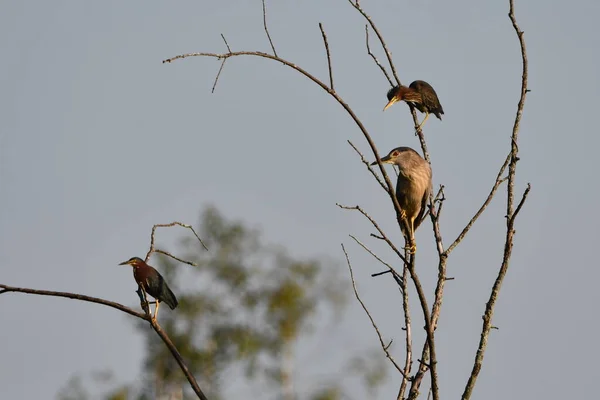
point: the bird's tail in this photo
(169, 298)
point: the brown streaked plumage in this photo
(421, 95)
(413, 188)
(152, 283)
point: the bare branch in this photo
(120, 307)
(74, 296)
(364, 307)
(328, 56)
(376, 226)
(408, 334)
(266, 29)
(488, 200)
(368, 165)
(361, 244)
(222, 65)
(166, 253)
(375, 58)
(226, 44)
(429, 347)
(323, 86)
(218, 75)
(357, 6)
(511, 215)
(190, 377)
(152, 241)
(520, 205)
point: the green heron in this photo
(151, 282)
(421, 95)
(412, 189)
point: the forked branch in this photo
(511, 214)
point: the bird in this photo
(152, 282)
(413, 188)
(421, 95)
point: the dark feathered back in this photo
(157, 287)
(429, 99)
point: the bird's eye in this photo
(395, 154)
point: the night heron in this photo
(412, 189)
(421, 95)
(152, 283)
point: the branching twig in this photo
(364, 307)
(323, 86)
(328, 56)
(361, 244)
(357, 6)
(368, 165)
(369, 52)
(510, 214)
(499, 181)
(166, 253)
(266, 29)
(120, 307)
(376, 226)
(222, 65)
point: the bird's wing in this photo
(424, 201)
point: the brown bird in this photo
(421, 95)
(413, 188)
(152, 282)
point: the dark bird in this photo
(412, 189)
(152, 282)
(421, 95)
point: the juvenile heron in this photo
(152, 283)
(421, 95)
(412, 189)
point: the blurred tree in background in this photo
(241, 313)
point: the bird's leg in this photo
(156, 310)
(423, 122)
(402, 214)
(412, 246)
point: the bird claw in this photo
(411, 249)
(402, 214)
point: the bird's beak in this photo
(124, 263)
(384, 160)
(392, 101)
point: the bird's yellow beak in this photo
(124, 263)
(384, 160)
(392, 101)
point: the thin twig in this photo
(368, 165)
(408, 334)
(323, 86)
(357, 6)
(510, 220)
(222, 65)
(488, 200)
(369, 52)
(267, 29)
(364, 307)
(328, 56)
(226, 44)
(174, 223)
(376, 226)
(523, 198)
(361, 244)
(218, 75)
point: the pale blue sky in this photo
(99, 140)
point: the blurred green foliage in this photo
(241, 312)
